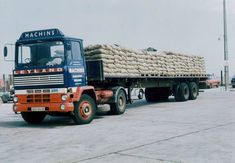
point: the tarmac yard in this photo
(197, 131)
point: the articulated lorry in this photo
(55, 75)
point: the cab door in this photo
(75, 64)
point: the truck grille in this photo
(38, 80)
(38, 98)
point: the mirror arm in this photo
(8, 60)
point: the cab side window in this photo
(76, 51)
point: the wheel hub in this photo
(85, 110)
(120, 101)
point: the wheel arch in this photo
(88, 90)
(90, 93)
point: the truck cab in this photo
(50, 77)
(48, 54)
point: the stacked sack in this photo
(119, 61)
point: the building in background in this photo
(6, 83)
(1, 83)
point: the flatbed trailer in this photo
(157, 87)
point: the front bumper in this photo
(49, 107)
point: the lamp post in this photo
(226, 63)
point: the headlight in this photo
(62, 107)
(15, 99)
(64, 97)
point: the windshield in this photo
(40, 54)
(211, 76)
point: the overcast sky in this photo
(186, 26)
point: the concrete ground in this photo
(197, 131)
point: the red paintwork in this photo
(212, 83)
(77, 95)
(54, 101)
(103, 96)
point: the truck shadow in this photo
(66, 121)
(140, 103)
(49, 122)
(103, 110)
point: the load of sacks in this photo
(119, 61)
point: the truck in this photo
(53, 76)
(212, 81)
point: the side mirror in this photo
(5, 51)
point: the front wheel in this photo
(84, 110)
(33, 117)
(120, 106)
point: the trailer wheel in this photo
(182, 92)
(84, 110)
(120, 106)
(33, 117)
(193, 91)
(176, 92)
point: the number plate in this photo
(38, 109)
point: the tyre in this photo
(176, 92)
(4, 100)
(33, 117)
(193, 91)
(84, 110)
(120, 106)
(233, 86)
(182, 92)
(141, 94)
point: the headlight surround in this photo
(64, 97)
(15, 99)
